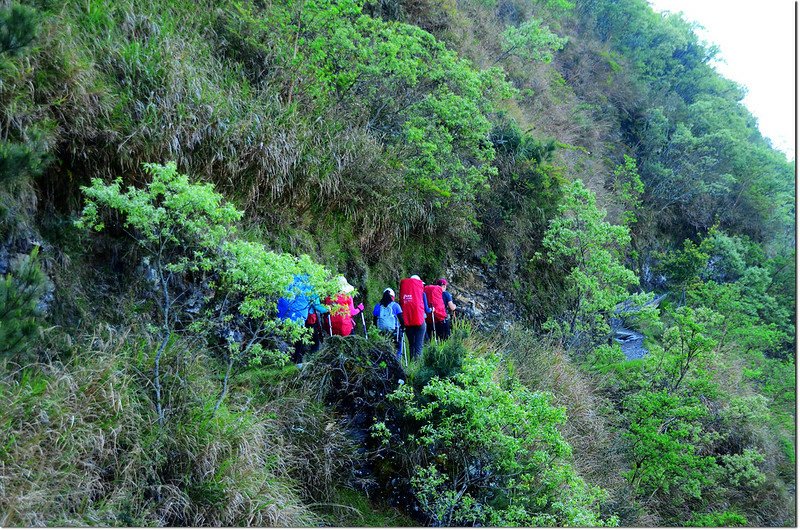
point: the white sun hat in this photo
(345, 286)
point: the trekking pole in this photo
(399, 339)
(433, 323)
(363, 323)
(330, 325)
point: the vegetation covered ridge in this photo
(168, 169)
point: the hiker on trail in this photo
(298, 303)
(414, 304)
(388, 317)
(342, 310)
(435, 321)
(442, 314)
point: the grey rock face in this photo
(479, 298)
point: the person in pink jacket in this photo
(343, 310)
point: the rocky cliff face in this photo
(479, 298)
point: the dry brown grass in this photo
(131, 89)
(557, 99)
(55, 447)
(81, 445)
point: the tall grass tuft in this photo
(81, 444)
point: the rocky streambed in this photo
(631, 341)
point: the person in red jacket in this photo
(437, 319)
(414, 304)
(342, 310)
(443, 319)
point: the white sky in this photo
(757, 46)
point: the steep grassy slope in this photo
(577, 153)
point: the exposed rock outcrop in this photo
(479, 297)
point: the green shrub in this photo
(743, 470)
(686, 350)
(488, 452)
(605, 357)
(187, 231)
(355, 372)
(18, 28)
(717, 519)
(426, 106)
(439, 359)
(629, 187)
(531, 41)
(667, 441)
(19, 162)
(354, 509)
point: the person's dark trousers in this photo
(299, 351)
(416, 339)
(429, 331)
(443, 329)
(316, 336)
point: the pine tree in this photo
(19, 299)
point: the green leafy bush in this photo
(685, 349)
(420, 99)
(18, 28)
(440, 359)
(531, 41)
(628, 185)
(717, 519)
(489, 453)
(666, 438)
(743, 470)
(178, 223)
(187, 231)
(19, 162)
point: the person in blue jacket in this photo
(388, 317)
(299, 302)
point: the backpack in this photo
(387, 321)
(341, 320)
(411, 302)
(295, 303)
(435, 300)
(312, 318)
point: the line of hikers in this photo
(422, 312)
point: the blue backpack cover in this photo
(294, 306)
